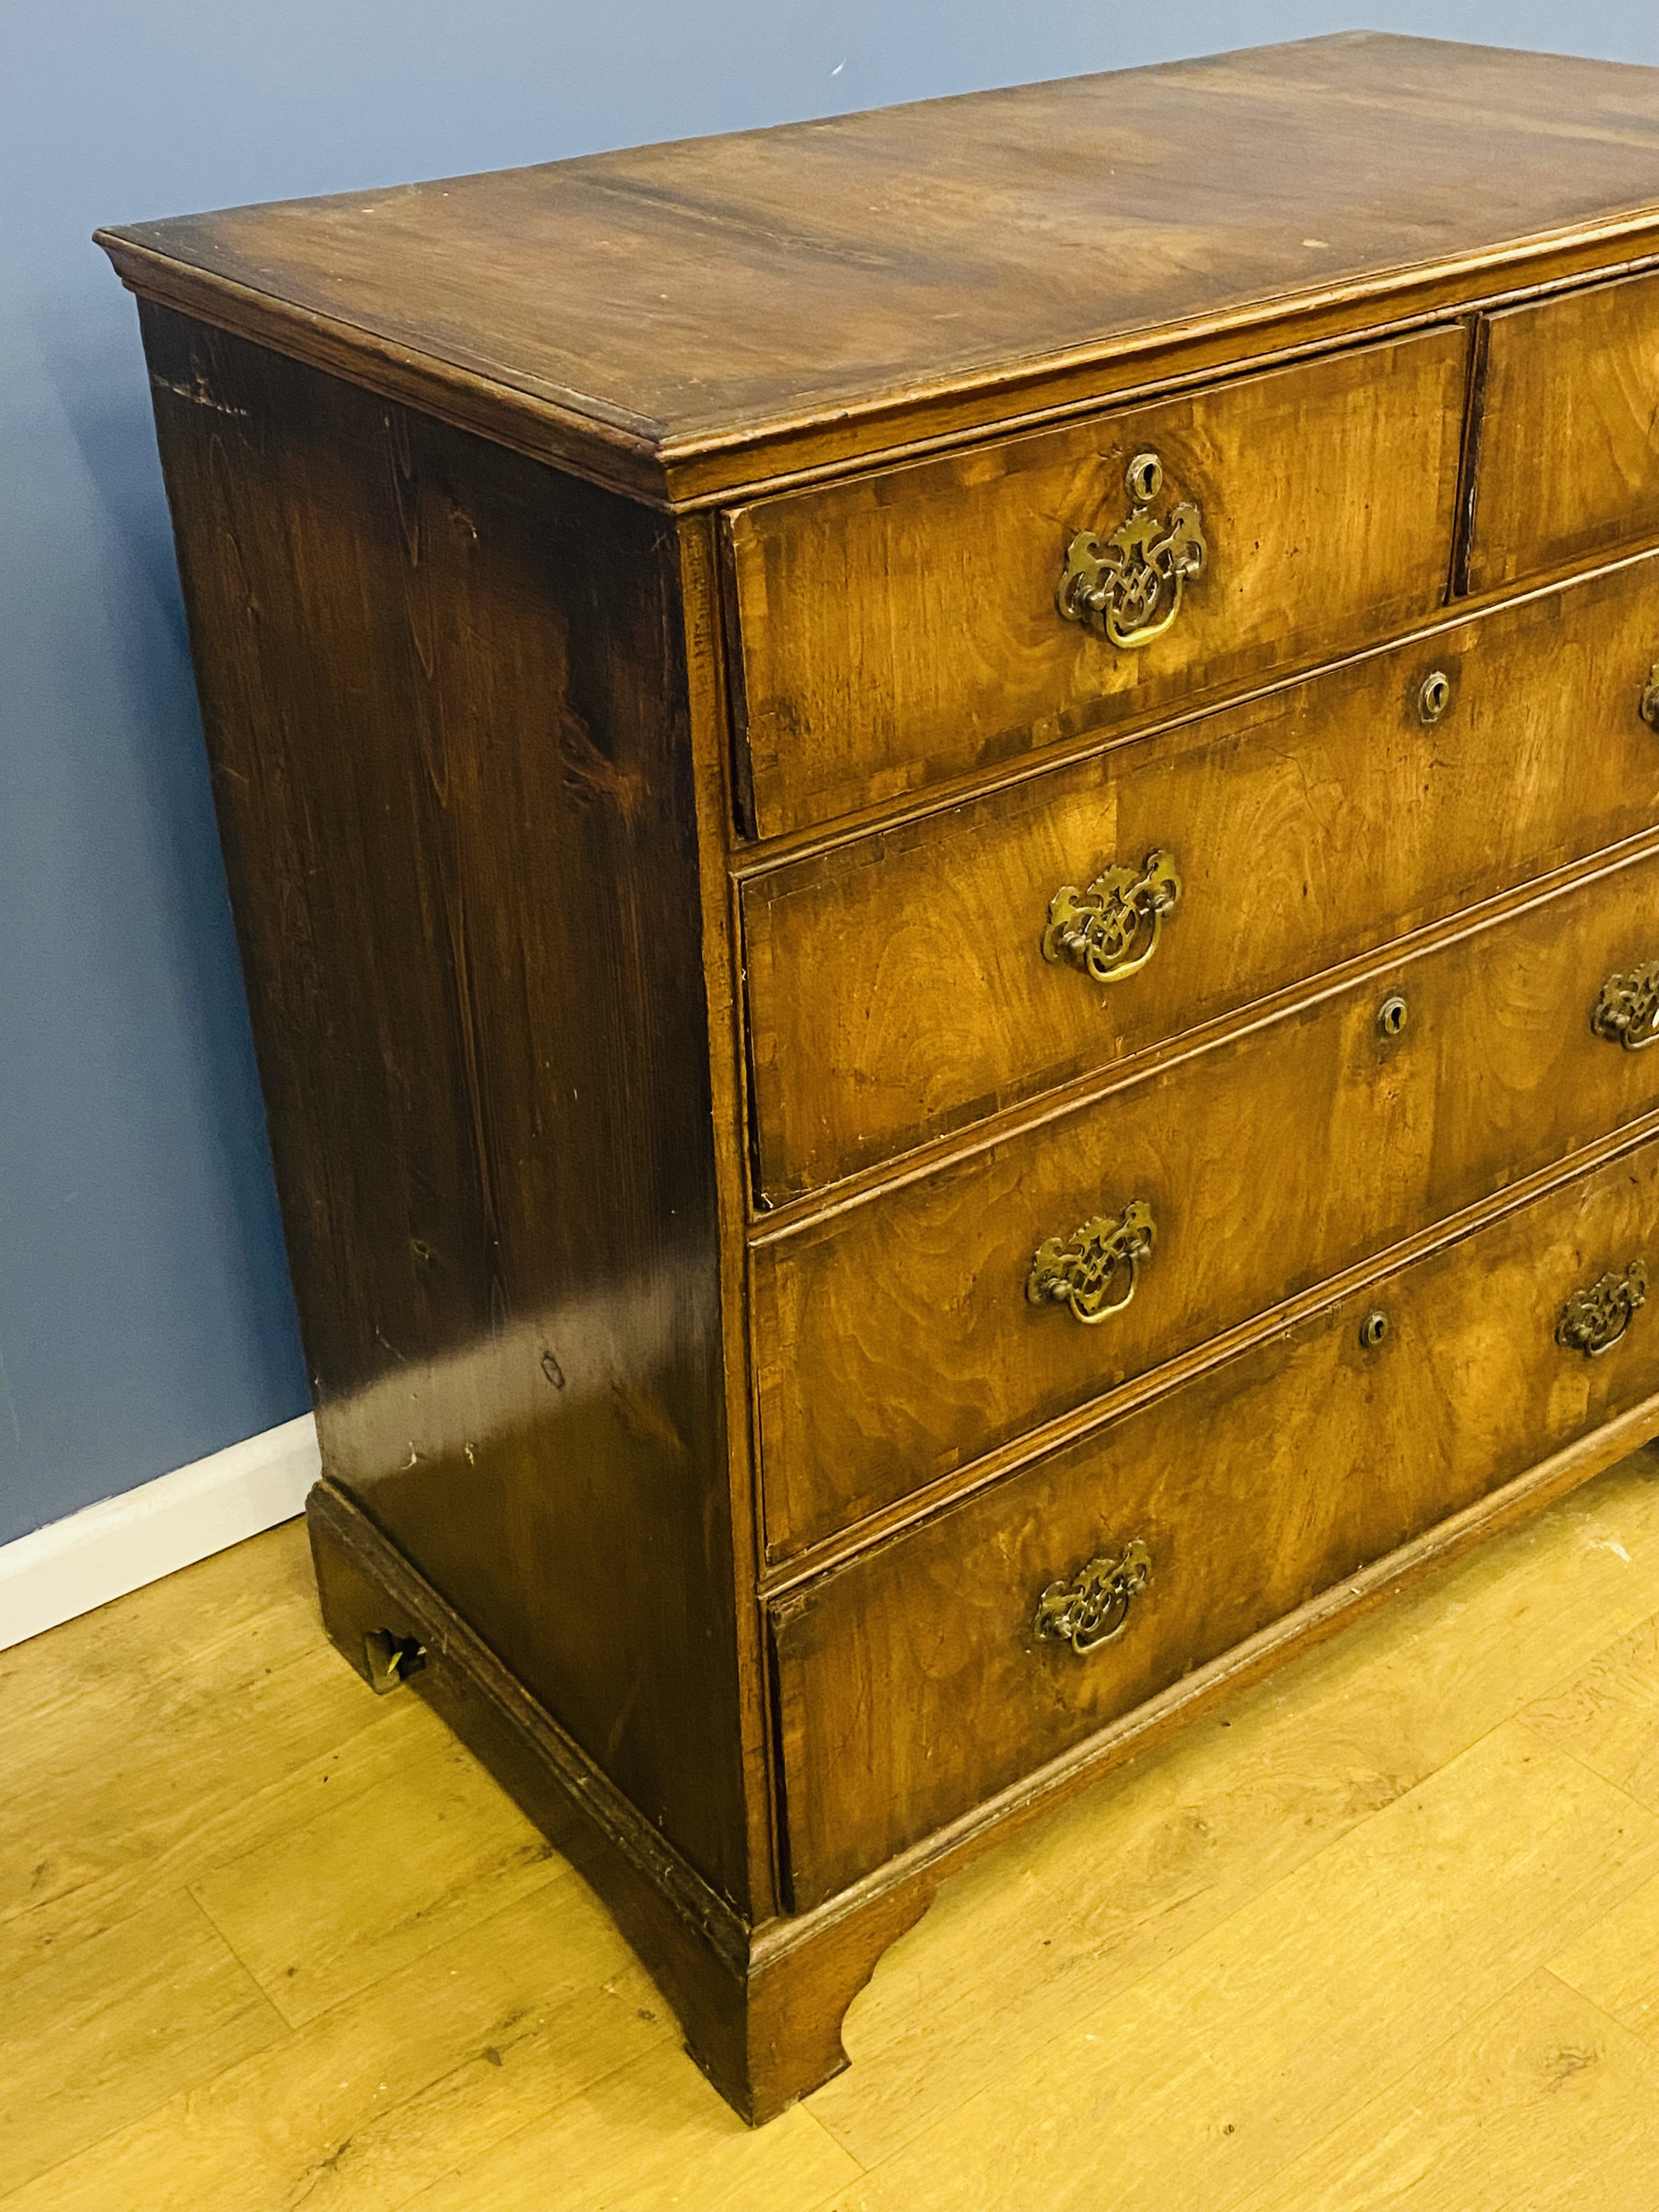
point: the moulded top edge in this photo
(676, 300)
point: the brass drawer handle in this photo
(1111, 930)
(1129, 586)
(1093, 1607)
(1650, 698)
(1095, 1275)
(1627, 1012)
(1593, 1321)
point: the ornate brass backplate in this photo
(1628, 1011)
(1129, 586)
(1111, 930)
(1094, 1275)
(1593, 1321)
(1650, 698)
(1093, 1607)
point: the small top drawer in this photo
(1569, 464)
(894, 630)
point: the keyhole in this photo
(1373, 1330)
(1435, 698)
(1146, 477)
(1391, 1017)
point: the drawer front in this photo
(905, 983)
(899, 627)
(1569, 454)
(912, 1684)
(896, 1340)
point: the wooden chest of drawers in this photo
(945, 830)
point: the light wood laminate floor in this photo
(1386, 1932)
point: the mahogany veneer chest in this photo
(945, 829)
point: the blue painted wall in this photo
(145, 1316)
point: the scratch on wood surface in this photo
(197, 394)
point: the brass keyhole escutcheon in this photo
(1435, 697)
(1391, 1016)
(1650, 698)
(1373, 1328)
(1145, 477)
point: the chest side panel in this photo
(444, 694)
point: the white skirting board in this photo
(74, 1565)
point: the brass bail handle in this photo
(1111, 929)
(1593, 1320)
(1650, 698)
(1092, 1608)
(1095, 1275)
(1130, 585)
(1627, 1012)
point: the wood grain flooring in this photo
(1385, 1933)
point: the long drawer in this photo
(935, 1670)
(897, 1340)
(907, 982)
(903, 626)
(1568, 437)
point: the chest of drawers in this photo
(945, 833)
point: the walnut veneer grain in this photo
(897, 985)
(1569, 432)
(1266, 1482)
(894, 629)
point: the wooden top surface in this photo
(707, 292)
